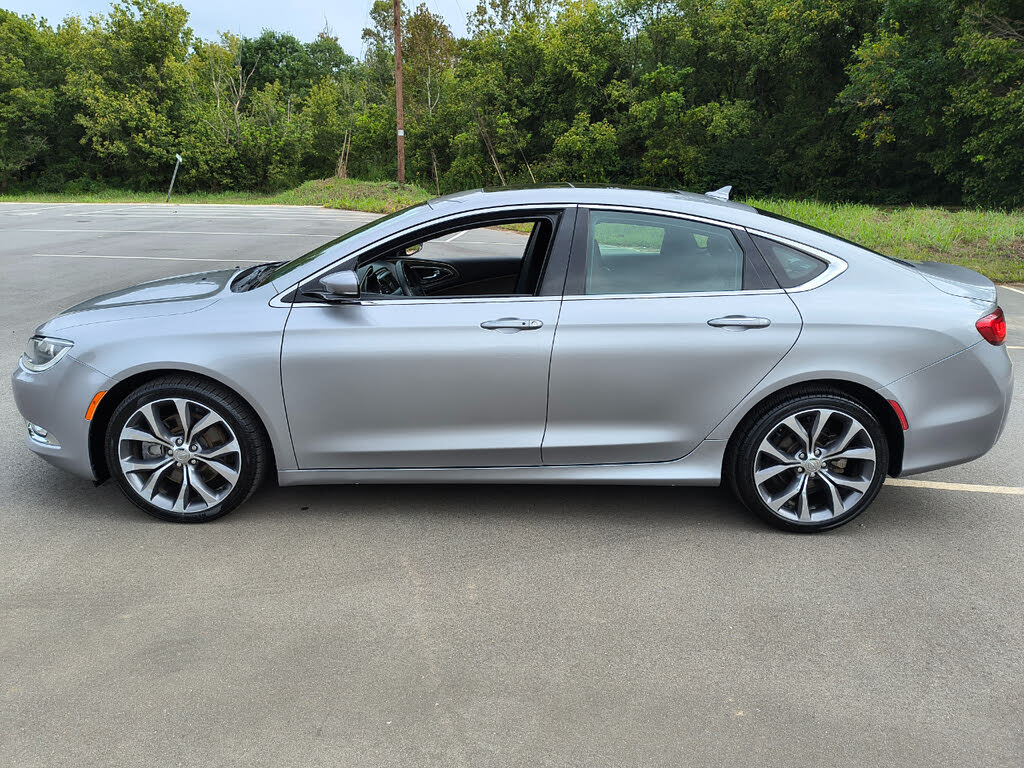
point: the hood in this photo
(957, 281)
(168, 296)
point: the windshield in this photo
(302, 261)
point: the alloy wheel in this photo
(814, 465)
(179, 455)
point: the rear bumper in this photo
(56, 400)
(956, 408)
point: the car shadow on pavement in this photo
(634, 505)
(41, 492)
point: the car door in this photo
(668, 321)
(456, 377)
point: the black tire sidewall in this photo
(743, 467)
(227, 406)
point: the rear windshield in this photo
(813, 228)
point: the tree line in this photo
(884, 101)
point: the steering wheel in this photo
(404, 282)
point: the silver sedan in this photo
(545, 335)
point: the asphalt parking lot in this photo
(480, 626)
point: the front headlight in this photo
(43, 352)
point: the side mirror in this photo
(412, 250)
(338, 287)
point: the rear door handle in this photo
(511, 324)
(738, 321)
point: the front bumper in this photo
(956, 408)
(56, 400)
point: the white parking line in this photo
(1006, 490)
(1011, 288)
(179, 232)
(455, 236)
(143, 258)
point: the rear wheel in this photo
(185, 450)
(811, 462)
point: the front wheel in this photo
(185, 450)
(811, 462)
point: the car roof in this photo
(678, 201)
(596, 194)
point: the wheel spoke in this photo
(861, 454)
(852, 430)
(202, 425)
(220, 450)
(803, 506)
(856, 483)
(144, 465)
(181, 406)
(837, 505)
(221, 469)
(792, 490)
(821, 418)
(768, 473)
(799, 430)
(777, 454)
(156, 424)
(149, 488)
(181, 502)
(142, 436)
(199, 486)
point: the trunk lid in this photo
(957, 281)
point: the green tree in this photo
(129, 83)
(986, 109)
(32, 69)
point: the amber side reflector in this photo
(92, 406)
(900, 415)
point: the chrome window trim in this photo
(682, 295)
(277, 301)
(440, 300)
(662, 212)
(836, 266)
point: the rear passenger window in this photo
(641, 253)
(790, 266)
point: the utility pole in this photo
(398, 91)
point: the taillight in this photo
(993, 327)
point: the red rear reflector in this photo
(900, 415)
(993, 327)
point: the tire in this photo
(186, 480)
(778, 479)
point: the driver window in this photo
(502, 259)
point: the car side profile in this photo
(553, 334)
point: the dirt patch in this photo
(1015, 249)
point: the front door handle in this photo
(511, 325)
(739, 321)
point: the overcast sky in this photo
(303, 18)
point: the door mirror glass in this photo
(412, 250)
